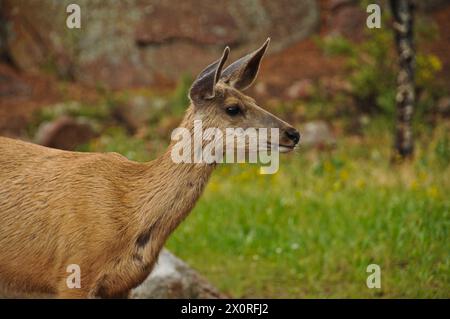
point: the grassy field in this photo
(311, 230)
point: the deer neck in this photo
(166, 194)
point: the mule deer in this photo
(105, 213)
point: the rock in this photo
(134, 113)
(17, 101)
(12, 85)
(139, 110)
(335, 4)
(317, 133)
(138, 43)
(172, 278)
(64, 133)
(347, 18)
(302, 89)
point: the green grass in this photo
(312, 229)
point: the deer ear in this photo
(242, 73)
(204, 85)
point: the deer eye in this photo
(233, 110)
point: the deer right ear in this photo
(242, 73)
(205, 83)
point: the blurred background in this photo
(345, 200)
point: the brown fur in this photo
(59, 208)
(109, 215)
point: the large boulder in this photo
(173, 278)
(65, 133)
(317, 133)
(133, 43)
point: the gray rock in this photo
(136, 112)
(173, 278)
(317, 133)
(64, 133)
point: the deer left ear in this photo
(243, 72)
(205, 83)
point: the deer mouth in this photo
(282, 148)
(286, 148)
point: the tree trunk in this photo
(403, 26)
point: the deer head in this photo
(218, 99)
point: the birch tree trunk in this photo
(403, 27)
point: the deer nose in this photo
(292, 134)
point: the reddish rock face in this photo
(138, 43)
(210, 25)
(347, 18)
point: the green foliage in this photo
(427, 67)
(371, 71)
(116, 139)
(336, 45)
(74, 109)
(327, 164)
(372, 67)
(180, 99)
(442, 149)
(95, 114)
